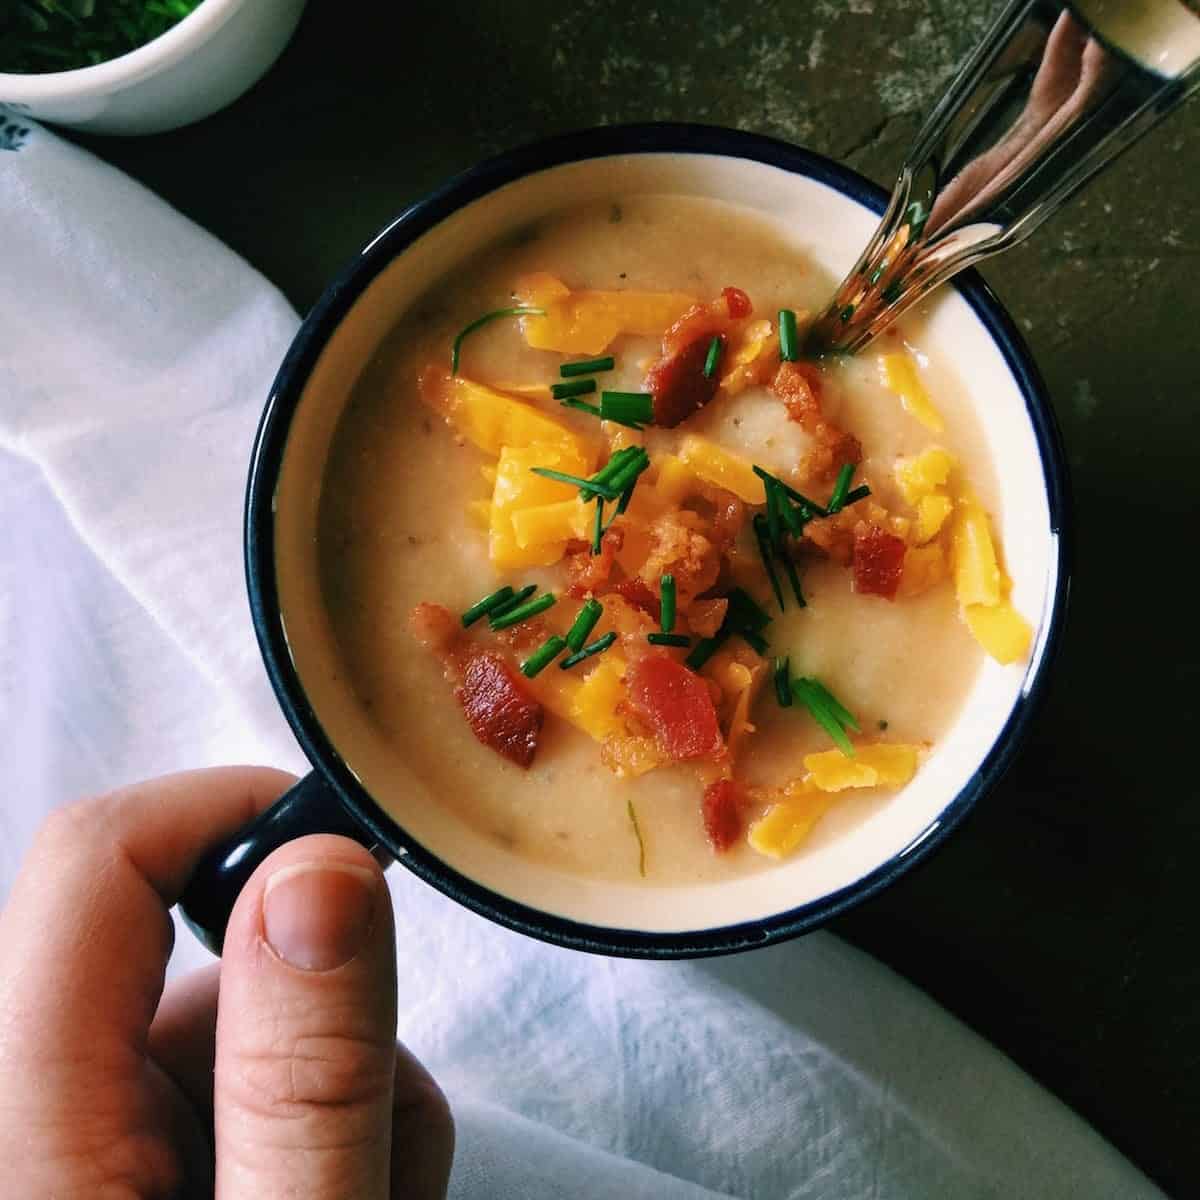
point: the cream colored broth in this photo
(393, 533)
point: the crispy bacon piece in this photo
(589, 572)
(638, 593)
(878, 562)
(678, 383)
(729, 515)
(679, 546)
(722, 810)
(799, 386)
(499, 710)
(737, 303)
(501, 713)
(676, 706)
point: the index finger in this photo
(86, 933)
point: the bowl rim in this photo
(267, 458)
(148, 59)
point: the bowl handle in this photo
(310, 806)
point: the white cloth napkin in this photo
(135, 355)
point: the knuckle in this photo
(291, 1079)
(65, 825)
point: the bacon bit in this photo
(679, 546)
(799, 386)
(501, 713)
(675, 703)
(678, 383)
(677, 380)
(705, 617)
(722, 809)
(834, 536)
(737, 303)
(831, 536)
(878, 562)
(729, 515)
(638, 593)
(589, 572)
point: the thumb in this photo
(306, 1028)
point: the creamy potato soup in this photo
(630, 586)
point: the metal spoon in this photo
(1053, 93)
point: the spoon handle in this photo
(1052, 94)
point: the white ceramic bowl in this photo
(198, 66)
(831, 212)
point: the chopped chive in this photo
(668, 639)
(775, 500)
(486, 605)
(582, 406)
(588, 366)
(763, 535)
(512, 602)
(804, 692)
(521, 310)
(522, 613)
(637, 833)
(627, 407)
(755, 641)
(666, 593)
(594, 410)
(629, 472)
(839, 710)
(584, 623)
(813, 508)
(783, 682)
(598, 526)
(543, 656)
(789, 342)
(793, 575)
(837, 497)
(615, 463)
(576, 387)
(597, 647)
(713, 357)
(584, 485)
(791, 518)
(626, 496)
(744, 612)
(705, 648)
(859, 493)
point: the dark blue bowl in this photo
(332, 800)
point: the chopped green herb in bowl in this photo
(41, 36)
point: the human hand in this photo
(273, 1073)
